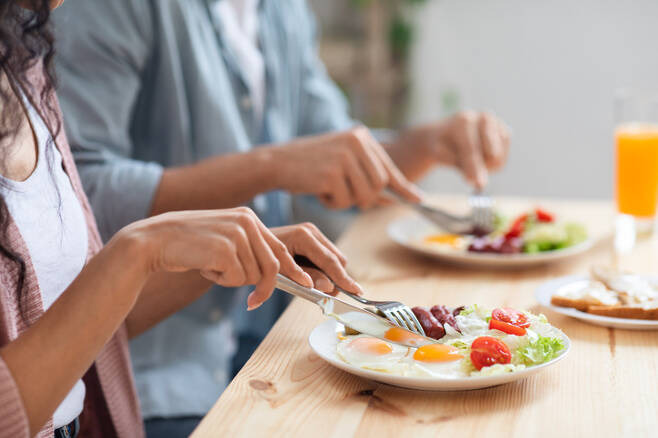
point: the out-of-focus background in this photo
(550, 69)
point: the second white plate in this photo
(545, 291)
(409, 231)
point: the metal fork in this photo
(396, 312)
(479, 221)
(482, 212)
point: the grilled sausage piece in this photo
(433, 328)
(444, 316)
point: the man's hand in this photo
(475, 143)
(342, 169)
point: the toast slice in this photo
(579, 304)
(583, 295)
(629, 312)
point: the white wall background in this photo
(550, 69)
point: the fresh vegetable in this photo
(506, 327)
(516, 229)
(539, 351)
(543, 215)
(487, 351)
(510, 316)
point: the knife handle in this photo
(287, 285)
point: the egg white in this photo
(388, 363)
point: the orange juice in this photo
(637, 169)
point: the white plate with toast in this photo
(410, 231)
(544, 293)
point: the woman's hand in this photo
(308, 241)
(476, 143)
(229, 247)
(342, 169)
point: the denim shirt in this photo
(146, 84)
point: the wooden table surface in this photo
(606, 387)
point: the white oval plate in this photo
(323, 340)
(545, 291)
(409, 231)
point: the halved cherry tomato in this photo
(516, 229)
(511, 316)
(487, 351)
(506, 327)
(543, 215)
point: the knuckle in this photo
(309, 226)
(272, 268)
(465, 117)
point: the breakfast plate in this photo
(325, 339)
(545, 291)
(411, 232)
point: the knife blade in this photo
(357, 318)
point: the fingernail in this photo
(358, 288)
(251, 305)
(309, 280)
(324, 285)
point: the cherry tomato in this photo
(543, 215)
(487, 351)
(516, 229)
(510, 316)
(506, 327)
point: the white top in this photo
(52, 224)
(240, 20)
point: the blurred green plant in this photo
(401, 29)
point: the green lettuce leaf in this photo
(540, 351)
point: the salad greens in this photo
(540, 351)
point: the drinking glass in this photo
(636, 161)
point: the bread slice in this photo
(629, 312)
(580, 304)
(582, 295)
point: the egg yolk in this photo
(396, 334)
(445, 239)
(437, 353)
(371, 346)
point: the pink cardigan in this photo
(111, 405)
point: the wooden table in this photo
(606, 387)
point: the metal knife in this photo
(361, 320)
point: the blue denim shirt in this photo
(146, 84)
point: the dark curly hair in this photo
(26, 43)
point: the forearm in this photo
(49, 357)
(219, 182)
(163, 295)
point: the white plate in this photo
(323, 340)
(409, 231)
(544, 293)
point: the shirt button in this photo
(245, 103)
(215, 315)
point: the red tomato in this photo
(516, 228)
(510, 316)
(543, 215)
(487, 351)
(506, 327)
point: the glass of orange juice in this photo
(636, 164)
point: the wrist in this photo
(137, 247)
(271, 167)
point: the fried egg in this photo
(432, 360)
(453, 241)
(437, 360)
(373, 353)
